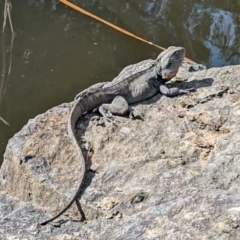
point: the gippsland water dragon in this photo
(135, 83)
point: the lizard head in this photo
(169, 61)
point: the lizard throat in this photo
(160, 79)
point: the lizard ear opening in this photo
(168, 65)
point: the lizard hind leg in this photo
(118, 106)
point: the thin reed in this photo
(6, 58)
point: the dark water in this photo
(57, 51)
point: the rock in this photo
(174, 174)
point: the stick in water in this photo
(114, 26)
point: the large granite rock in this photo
(172, 174)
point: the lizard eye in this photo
(176, 53)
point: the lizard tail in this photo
(87, 102)
(75, 113)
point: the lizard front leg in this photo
(172, 92)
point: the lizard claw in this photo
(105, 120)
(109, 115)
(191, 89)
(98, 120)
(110, 118)
(186, 91)
(134, 114)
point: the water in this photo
(57, 52)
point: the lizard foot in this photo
(110, 118)
(134, 114)
(97, 120)
(104, 121)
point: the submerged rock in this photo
(171, 174)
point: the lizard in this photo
(135, 83)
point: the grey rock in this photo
(172, 175)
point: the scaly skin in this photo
(134, 84)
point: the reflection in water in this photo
(207, 30)
(58, 52)
(220, 36)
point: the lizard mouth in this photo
(168, 76)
